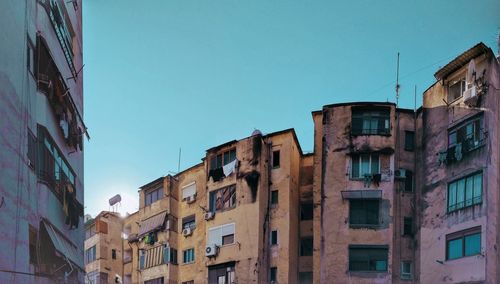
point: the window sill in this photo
(364, 226)
(449, 212)
(367, 273)
(466, 256)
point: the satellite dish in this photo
(115, 199)
(256, 132)
(471, 71)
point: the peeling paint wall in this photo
(435, 222)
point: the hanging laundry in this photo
(229, 168)
(64, 127)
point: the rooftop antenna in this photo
(397, 83)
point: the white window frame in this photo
(360, 176)
(406, 275)
(220, 235)
(186, 187)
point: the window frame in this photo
(190, 221)
(188, 256)
(221, 241)
(91, 254)
(376, 114)
(273, 240)
(212, 199)
(302, 245)
(276, 159)
(453, 208)
(366, 213)
(384, 250)
(406, 275)
(477, 122)
(216, 163)
(407, 226)
(274, 197)
(463, 87)
(409, 147)
(462, 235)
(149, 193)
(273, 274)
(359, 158)
(306, 216)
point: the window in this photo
(155, 281)
(188, 282)
(468, 136)
(408, 181)
(273, 277)
(456, 89)
(127, 256)
(370, 122)
(33, 241)
(221, 235)
(409, 140)
(189, 222)
(274, 237)
(274, 197)
(189, 190)
(368, 258)
(364, 164)
(363, 212)
(90, 231)
(306, 211)
(64, 31)
(113, 253)
(222, 159)
(222, 273)
(31, 150)
(169, 255)
(407, 226)
(103, 278)
(30, 57)
(54, 169)
(188, 256)
(406, 270)
(465, 192)
(153, 195)
(463, 243)
(305, 277)
(276, 159)
(223, 199)
(92, 277)
(90, 255)
(306, 246)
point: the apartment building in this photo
(458, 177)
(363, 186)
(104, 251)
(244, 214)
(41, 142)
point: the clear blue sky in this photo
(160, 75)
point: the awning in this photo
(362, 194)
(152, 223)
(63, 246)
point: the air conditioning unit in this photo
(211, 250)
(209, 215)
(470, 95)
(187, 232)
(190, 199)
(401, 173)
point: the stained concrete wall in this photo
(24, 201)
(436, 118)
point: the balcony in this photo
(456, 152)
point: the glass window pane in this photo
(452, 196)
(375, 164)
(365, 164)
(460, 193)
(468, 191)
(478, 188)
(454, 249)
(381, 265)
(473, 244)
(355, 166)
(452, 138)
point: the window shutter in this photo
(189, 190)
(141, 260)
(166, 254)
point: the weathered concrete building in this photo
(242, 215)
(104, 251)
(458, 177)
(364, 195)
(41, 142)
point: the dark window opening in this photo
(276, 159)
(33, 241)
(274, 197)
(169, 255)
(370, 122)
(32, 145)
(305, 277)
(364, 212)
(455, 90)
(408, 226)
(222, 159)
(223, 199)
(408, 181)
(155, 281)
(409, 140)
(367, 258)
(188, 256)
(274, 237)
(306, 246)
(30, 57)
(463, 243)
(113, 253)
(228, 239)
(306, 211)
(467, 137)
(222, 273)
(273, 275)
